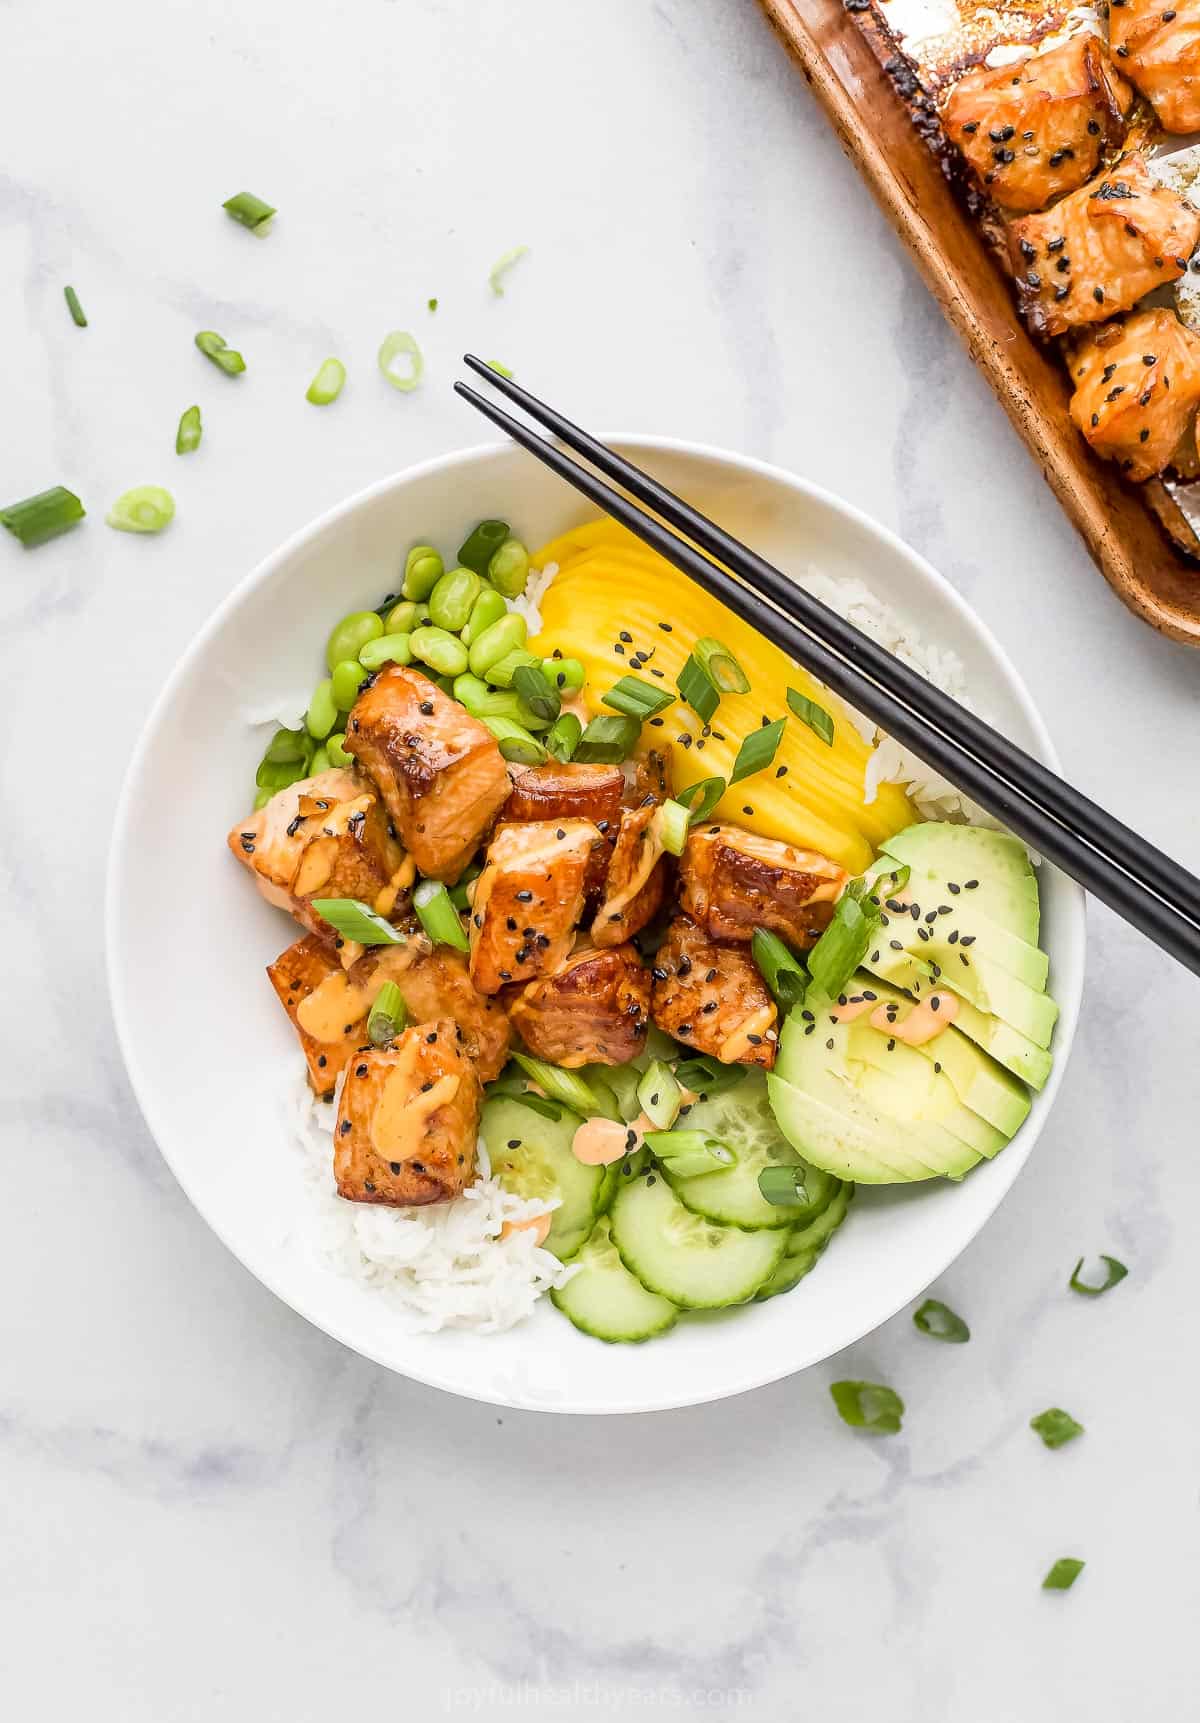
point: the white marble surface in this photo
(209, 1509)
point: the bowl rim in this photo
(634, 442)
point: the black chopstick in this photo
(1171, 882)
(1125, 892)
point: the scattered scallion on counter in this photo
(438, 915)
(1114, 1271)
(225, 358)
(37, 519)
(502, 266)
(608, 741)
(673, 822)
(705, 1076)
(1063, 1574)
(328, 383)
(659, 1095)
(701, 798)
(432, 304)
(249, 210)
(357, 921)
(808, 712)
(388, 1015)
(401, 361)
(146, 508)
(78, 315)
(940, 1322)
(565, 1086)
(637, 699)
(1055, 1427)
(868, 1406)
(757, 751)
(499, 369)
(783, 1186)
(783, 973)
(190, 431)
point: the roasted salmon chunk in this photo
(439, 770)
(712, 998)
(636, 882)
(1100, 249)
(732, 881)
(408, 1120)
(327, 836)
(1159, 48)
(1035, 130)
(528, 900)
(594, 1009)
(328, 1006)
(571, 791)
(1137, 386)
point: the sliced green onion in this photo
(536, 1104)
(438, 915)
(883, 889)
(868, 1406)
(356, 921)
(757, 751)
(251, 211)
(403, 346)
(388, 1015)
(39, 518)
(432, 304)
(808, 712)
(515, 742)
(783, 1185)
(697, 689)
(1113, 1272)
(1063, 1574)
(842, 946)
(564, 1086)
(538, 692)
(501, 673)
(1055, 1427)
(78, 315)
(146, 508)
(701, 797)
(502, 266)
(482, 543)
(608, 741)
(940, 1322)
(689, 1154)
(498, 368)
(458, 893)
(783, 973)
(659, 1095)
(722, 667)
(705, 1076)
(637, 699)
(190, 431)
(562, 738)
(213, 347)
(673, 827)
(328, 383)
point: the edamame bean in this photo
(388, 649)
(441, 651)
(501, 672)
(489, 607)
(423, 568)
(495, 642)
(322, 711)
(276, 775)
(403, 618)
(567, 674)
(351, 635)
(319, 762)
(287, 746)
(346, 677)
(451, 600)
(508, 569)
(262, 798)
(335, 749)
(470, 692)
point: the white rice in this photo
(528, 604)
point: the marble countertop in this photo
(210, 1509)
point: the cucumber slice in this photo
(743, 1119)
(684, 1257)
(532, 1157)
(604, 1300)
(806, 1245)
(789, 1274)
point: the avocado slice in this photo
(991, 868)
(988, 987)
(961, 915)
(856, 1143)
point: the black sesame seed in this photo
(427, 708)
(344, 1126)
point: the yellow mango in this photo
(612, 597)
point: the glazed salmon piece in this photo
(571, 791)
(732, 881)
(1100, 249)
(593, 1010)
(408, 1120)
(1137, 387)
(528, 900)
(711, 997)
(1041, 128)
(636, 882)
(1158, 46)
(439, 770)
(327, 836)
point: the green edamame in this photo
(501, 672)
(441, 651)
(262, 798)
(496, 642)
(275, 775)
(508, 569)
(345, 678)
(406, 616)
(322, 711)
(387, 649)
(489, 607)
(351, 634)
(319, 762)
(335, 749)
(567, 674)
(423, 568)
(452, 598)
(287, 746)
(470, 691)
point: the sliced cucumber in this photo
(742, 1118)
(684, 1257)
(608, 1302)
(806, 1244)
(532, 1157)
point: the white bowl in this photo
(204, 1038)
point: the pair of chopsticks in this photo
(1153, 893)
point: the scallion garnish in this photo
(705, 1076)
(499, 369)
(562, 738)
(1113, 1272)
(39, 518)
(402, 346)
(808, 712)
(720, 666)
(690, 1154)
(459, 893)
(535, 688)
(868, 1406)
(146, 508)
(783, 1186)
(842, 946)
(565, 1086)
(328, 383)
(1063, 1574)
(502, 266)
(608, 741)
(190, 431)
(515, 742)
(1055, 1427)
(388, 1015)
(226, 358)
(432, 304)
(940, 1323)
(637, 699)
(247, 209)
(78, 315)
(357, 921)
(536, 1104)
(697, 689)
(701, 798)
(784, 974)
(481, 544)
(757, 751)
(438, 915)
(673, 824)
(659, 1095)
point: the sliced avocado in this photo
(991, 868)
(869, 1048)
(856, 1143)
(988, 987)
(961, 915)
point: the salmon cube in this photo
(528, 900)
(594, 1009)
